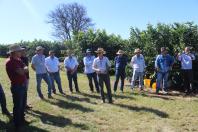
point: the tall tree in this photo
(69, 20)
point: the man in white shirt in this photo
(53, 66)
(101, 65)
(71, 65)
(138, 65)
(91, 74)
(186, 59)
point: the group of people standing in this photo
(96, 69)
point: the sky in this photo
(27, 19)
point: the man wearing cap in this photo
(186, 59)
(102, 65)
(91, 74)
(38, 65)
(163, 65)
(25, 60)
(138, 65)
(71, 65)
(120, 65)
(53, 66)
(16, 71)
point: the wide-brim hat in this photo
(120, 52)
(39, 48)
(100, 50)
(137, 51)
(14, 48)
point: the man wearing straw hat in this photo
(163, 65)
(120, 65)
(91, 74)
(138, 65)
(38, 65)
(101, 65)
(16, 71)
(71, 65)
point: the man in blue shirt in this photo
(91, 74)
(186, 59)
(38, 65)
(163, 65)
(120, 65)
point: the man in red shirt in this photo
(16, 71)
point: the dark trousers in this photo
(2, 100)
(104, 78)
(93, 76)
(18, 95)
(119, 74)
(188, 80)
(56, 77)
(73, 77)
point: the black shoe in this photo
(62, 93)
(7, 113)
(78, 91)
(110, 102)
(41, 97)
(50, 97)
(28, 107)
(54, 92)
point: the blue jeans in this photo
(2, 100)
(56, 77)
(46, 78)
(73, 77)
(162, 77)
(93, 76)
(119, 74)
(18, 95)
(137, 75)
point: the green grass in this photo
(84, 112)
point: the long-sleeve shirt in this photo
(138, 63)
(186, 60)
(101, 64)
(88, 62)
(163, 63)
(70, 62)
(120, 62)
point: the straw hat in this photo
(120, 52)
(39, 48)
(14, 48)
(137, 51)
(100, 50)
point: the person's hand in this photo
(26, 69)
(158, 69)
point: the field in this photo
(131, 112)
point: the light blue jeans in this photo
(137, 75)
(162, 78)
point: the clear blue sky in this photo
(26, 19)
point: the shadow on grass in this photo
(9, 127)
(161, 96)
(144, 109)
(91, 95)
(69, 105)
(58, 121)
(74, 98)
